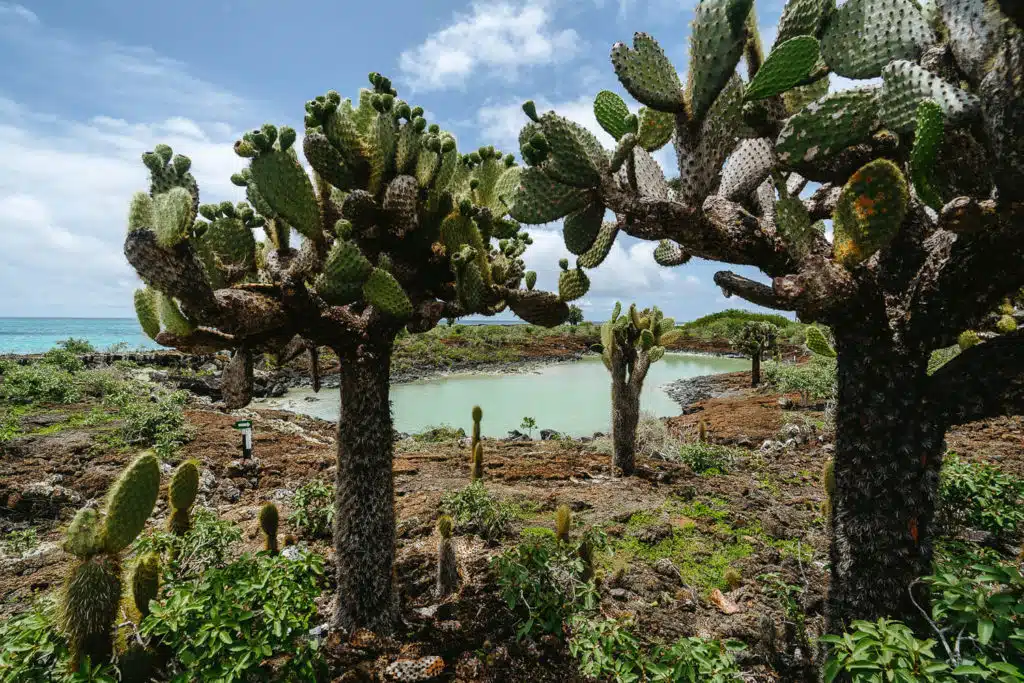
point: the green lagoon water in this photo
(573, 398)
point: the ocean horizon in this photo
(19, 335)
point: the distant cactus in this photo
(702, 431)
(91, 594)
(181, 495)
(563, 523)
(447, 569)
(630, 343)
(478, 415)
(476, 463)
(268, 525)
(755, 339)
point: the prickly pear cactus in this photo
(181, 495)
(864, 35)
(870, 211)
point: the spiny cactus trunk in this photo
(364, 519)
(625, 416)
(887, 461)
(755, 369)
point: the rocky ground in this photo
(673, 533)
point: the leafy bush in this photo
(883, 651)
(709, 458)
(978, 496)
(206, 545)
(63, 359)
(38, 383)
(607, 650)
(33, 649)
(542, 580)
(158, 423)
(19, 542)
(314, 509)
(475, 509)
(101, 383)
(76, 346)
(231, 622)
(439, 434)
(814, 379)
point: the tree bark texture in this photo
(364, 519)
(755, 369)
(889, 446)
(625, 416)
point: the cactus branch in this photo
(985, 381)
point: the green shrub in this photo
(439, 434)
(978, 496)
(77, 346)
(159, 424)
(33, 649)
(100, 383)
(474, 509)
(709, 458)
(607, 650)
(228, 624)
(38, 383)
(63, 359)
(542, 581)
(314, 509)
(19, 542)
(206, 545)
(814, 379)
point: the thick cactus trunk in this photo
(889, 447)
(755, 370)
(364, 520)
(625, 416)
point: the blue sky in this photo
(88, 86)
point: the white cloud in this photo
(498, 38)
(19, 12)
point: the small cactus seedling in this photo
(268, 525)
(181, 496)
(563, 523)
(476, 465)
(447, 569)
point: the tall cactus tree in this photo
(754, 339)
(398, 230)
(923, 178)
(630, 343)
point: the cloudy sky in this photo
(88, 86)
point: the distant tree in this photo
(755, 339)
(575, 315)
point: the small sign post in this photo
(245, 426)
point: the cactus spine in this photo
(92, 590)
(181, 495)
(268, 525)
(447, 568)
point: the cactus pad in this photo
(596, 255)
(538, 308)
(865, 35)
(975, 29)
(444, 526)
(147, 311)
(172, 216)
(817, 343)
(905, 85)
(786, 66)
(530, 278)
(230, 244)
(90, 600)
(700, 167)
(140, 212)
(130, 502)
(829, 125)
(326, 160)
(184, 485)
(345, 270)
(746, 168)
(650, 180)
(716, 44)
(647, 74)
(568, 160)
(611, 112)
(539, 199)
(869, 212)
(802, 18)
(85, 534)
(171, 318)
(797, 98)
(506, 187)
(580, 228)
(288, 191)
(145, 582)
(655, 128)
(669, 254)
(383, 291)
(927, 140)
(572, 284)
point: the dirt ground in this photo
(762, 517)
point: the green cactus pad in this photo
(326, 160)
(340, 127)
(650, 180)
(444, 526)
(171, 318)
(923, 157)
(538, 308)
(90, 599)
(145, 582)
(288, 191)
(407, 149)
(580, 228)
(611, 111)
(530, 278)
(646, 339)
(670, 254)
(231, 243)
(380, 144)
(975, 29)
(716, 44)
(140, 212)
(572, 284)
(345, 270)
(746, 168)
(269, 519)
(865, 35)
(184, 485)
(596, 255)
(869, 212)
(382, 290)
(539, 199)
(458, 230)
(647, 74)
(568, 159)
(802, 18)
(131, 501)
(828, 126)
(506, 187)
(85, 534)
(786, 66)
(655, 354)
(147, 311)
(797, 98)
(172, 216)
(487, 176)
(817, 343)
(623, 150)
(470, 287)
(699, 168)
(905, 85)
(794, 224)
(655, 128)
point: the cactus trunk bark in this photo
(364, 519)
(625, 416)
(755, 369)
(889, 447)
